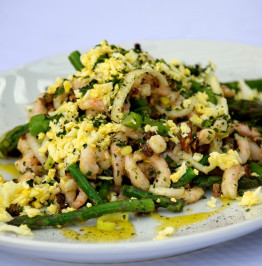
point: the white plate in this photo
(21, 85)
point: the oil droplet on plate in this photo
(123, 231)
(186, 220)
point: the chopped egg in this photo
(163, 234)
(52, 209)
(196, 171)
(224, 160)
(68, 209)
(30, 212)
(5, 216)
(21, 230)
(180, 171)
(251, 198)
(212, 203)
(197, 156)
(149, 128)
(186, 103)
(21, 193)
(185, 129)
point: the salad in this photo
(130, 133)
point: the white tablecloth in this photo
(31, 30)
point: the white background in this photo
(31, 30)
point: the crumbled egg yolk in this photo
(54, 86)
(175, 62)
(224, 160)
(205, 109)
(52, 209)
(149, 128)
(21, 193)
(66, 148)
(163, 234)
(186, 103)
(212, 203)
(185, 129)
(196, 171)
(68, 209)
(180, 171)
(23, 229)
(215, 86)
(101, 92)
(251, 198)
(67, 86)
(5, 216)
(41, 136)
(30, 212)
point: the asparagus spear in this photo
(104, 189)
(185, 179)
(8, 142)
(161, 201)
(208, 181)
(245, 110)
(84, 184)
(85, 213)
(74, 58)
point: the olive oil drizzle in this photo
(10, 169)
(123, 231)
(187, 220)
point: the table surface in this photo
(31, 30)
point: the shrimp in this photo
(23, 145)
(77, 84)
(26, 176)
(118, 159)
(38, 107)
(68, 187)
(256, 151)
(70, 197)
(193, 194)
(103, 159)
(230, 181)
(58, 100)
(131, 133)
(147, 169)
(91, 160)
(162, 171)
(205, 136)
(157, 144)
(80, 199)
(227, 92)
(171, 155)
(244, 148)
(28, 163)
(245, 130)
(163, 91)
(92, 104)
(88, 162)
(137, 177)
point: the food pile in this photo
(127, 132)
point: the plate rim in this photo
(84, 249)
